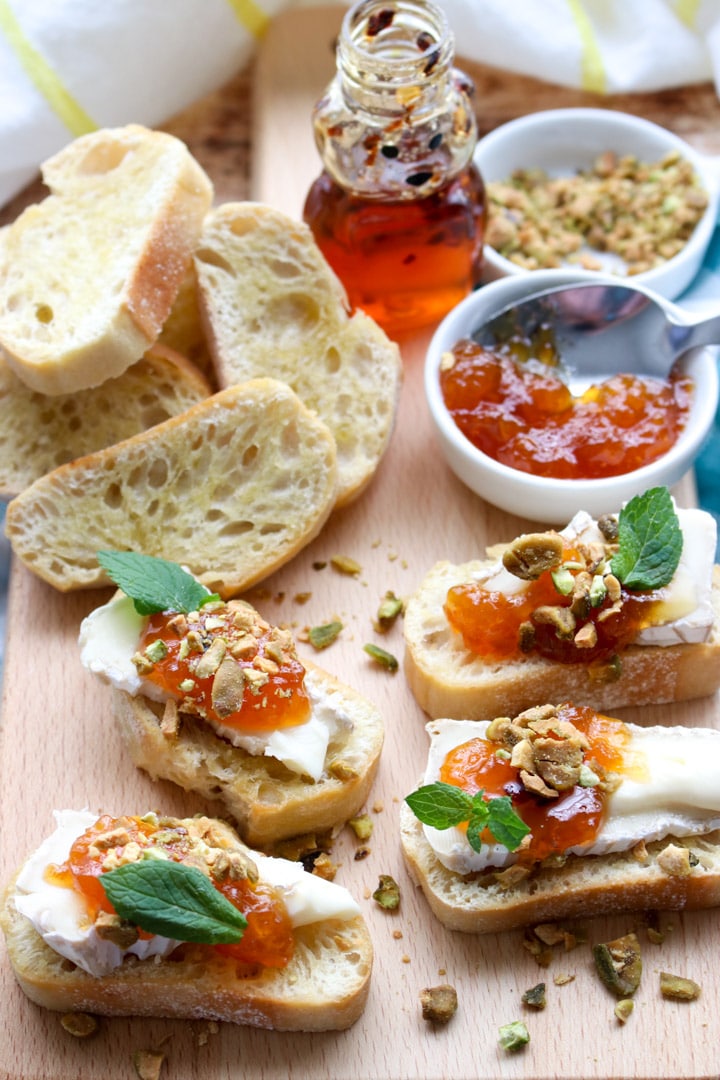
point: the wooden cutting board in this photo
(59, 748)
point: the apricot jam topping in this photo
(226, 664)
(558, 819)
(530, 420)
(111, 842)
(593, 621)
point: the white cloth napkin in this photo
(68, 66)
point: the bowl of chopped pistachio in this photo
(598, 190)
(517, 427)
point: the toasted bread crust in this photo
(232, 488)
(267, 800)
(449, 681)
(582, 887)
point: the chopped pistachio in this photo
(514, 1036)
(381, 657)
(678, 989)
(387, 894)
(148, 1064)
(322, 636)
(563, 580)
(345, 565)
(503, 754)
(324, 867)
(439, 1003)
(187, 686)
(619, 964)
(535, 998)
(390, 607)
(80, 1025)
(362, 826)
(598, 590)
(587, 777)
(157, 650)
(623, 1009)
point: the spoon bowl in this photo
(600, 330)
(543, 499)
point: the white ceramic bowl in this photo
(539, 498)
(562, 141)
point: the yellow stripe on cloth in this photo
(686, 11)
(592, 67)
(45, 80)
(250, 15)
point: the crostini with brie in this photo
(620, 611)
(167, 917)
(211, 696)
(563, 812)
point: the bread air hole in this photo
(332, 360)
(113, 496)
(211, 258)
(297, 310)
(103, 159)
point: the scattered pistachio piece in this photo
(587, 777)
(80, 1025)
(387, 894)
(362, 826)
(535, 998)
(514, 1036)
(381, 657)
(148, 1064)
(438, 1003)
(156, 651)
(623, 1008)
(390, 607)
(322, 636)
(563, 580)
(345, 565)
(678, 989)
(619, 964)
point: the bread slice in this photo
(267, 801)
(38, 433)
(450, 681)
(232, 489)
(183, 329)
(582, 887)
(324, 987)
(88, 276)
(272, 306)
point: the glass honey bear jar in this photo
(399, 208)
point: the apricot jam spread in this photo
(557, 764)
(526, 417)
(112, 842)
(569, 608)
(226, 664)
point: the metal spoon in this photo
(599, 330)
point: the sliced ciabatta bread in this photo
(322, 986)
(267, 800)
(89, 275)
(579, 887)
(232, 488)
(38, 433)
(569, 629)
(272, 306)
(183, 329)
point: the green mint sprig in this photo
(443, 805)
(650, 541)
(154, 584)
(173, 900)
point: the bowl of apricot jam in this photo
(600, 190)
(514, 432)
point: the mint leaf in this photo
(440, 805)
(505, 824)
(173, 900)
(154, 584)
(650, 541)
(478, 821)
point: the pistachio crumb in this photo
(439, 1003)
(677, 988)
(619, 964)
(362, 826)
(387, 894)
(535, 998)
(623, 1008)
(514, 1036)
(382, 657)
(345, 565)
(322, 636)
(148, 1064)
(564, 979)
(79, 1025)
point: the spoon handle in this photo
(692, 335)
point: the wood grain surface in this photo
(59, 747)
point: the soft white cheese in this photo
(685, 614)
(59, 915)
(108, 640)
(673, 790)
